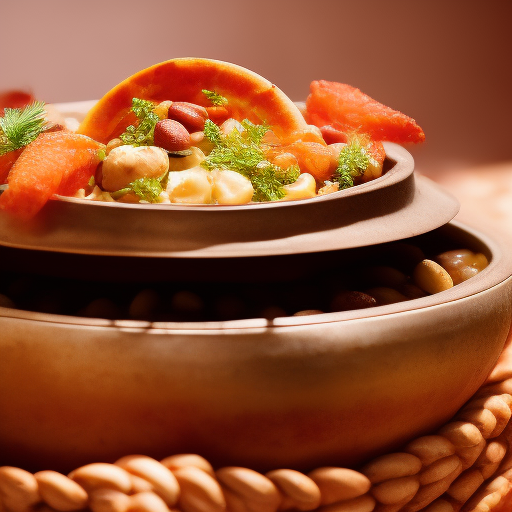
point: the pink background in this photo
(448, 64)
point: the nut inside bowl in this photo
(298, 392)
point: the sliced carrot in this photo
(347, 109)
(6, 162)
(57, 162)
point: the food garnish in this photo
(20, 126)
(142, 134)
(216, 99)
(146, 189)
(243, 152)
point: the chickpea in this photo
(230, 187)
(192, 186)
(303, 188)
(181, 163)
(125, 164)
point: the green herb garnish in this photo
(20, 127)
(352, 162)
(243, 152)
(142, 134)
(216, 99)
(147, 189)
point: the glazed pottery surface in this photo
(299, 392)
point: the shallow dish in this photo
(392, 207)
(298, 392)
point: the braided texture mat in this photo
(465, 466)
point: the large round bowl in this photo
(299, 392)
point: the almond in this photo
(171, 135)
(191, 116)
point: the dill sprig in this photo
(147, 189)
(20, 127)
(216, 99)
(352, 162)
(242, 151)
(142, 134)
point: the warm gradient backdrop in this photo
(446, 63)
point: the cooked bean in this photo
(462, 264)
(431, 277)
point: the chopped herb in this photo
(216, 99)
(20, 127)
(352, 162)
(147, 189)
(142, 134)
(242, 151)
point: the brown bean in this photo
(349, 300)
(339, 484)
(102, 475)
(60, 492)
(301, 491)
(190, 115)
(430, 448)
(431, 277)
(200, 492)
(384, 295)
(163, 481)
(393, 465)
(18, 489)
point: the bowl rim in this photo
(395, 206)
(495, 274)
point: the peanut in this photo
(108, 500)
(18, 489)
(430, 448)
(163, 481)
(60, 492)
(339, 484)
(397, 490)
(251, 487)
(200, 492)
(394, 465)
(300, 491)
(96, 475)
(439, 469)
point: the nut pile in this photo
(465, 466)
(399, 272)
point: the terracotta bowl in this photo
(298, 392)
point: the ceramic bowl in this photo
(297, 392)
